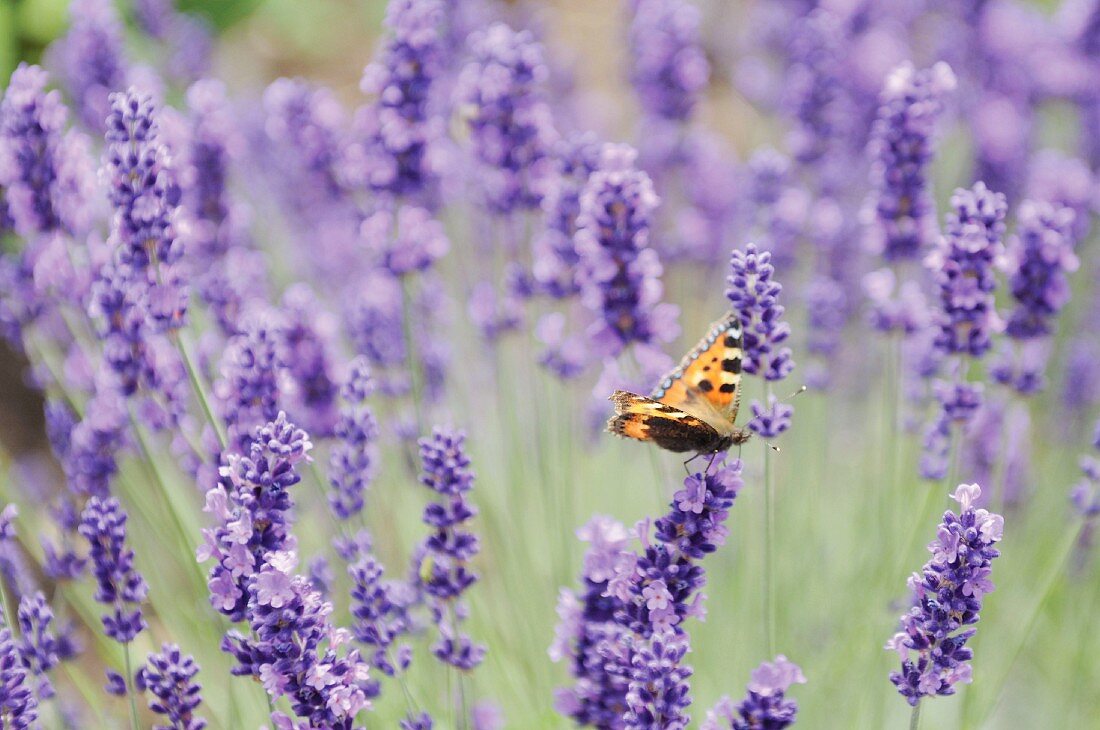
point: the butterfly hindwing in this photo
(707, 381)
(644, 419)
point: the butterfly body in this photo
(694, 407)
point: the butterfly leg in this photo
(711, 463)
(693, 458)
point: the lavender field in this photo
(349, 374)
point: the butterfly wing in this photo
(707, 382)
(644, 419)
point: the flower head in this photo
(170, 677)
(947, 597)
(119, 585)
(669, 69)
(618, 271)
(753, 293)
(901, 147)
(511, 129)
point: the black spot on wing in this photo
(727, 387)
(732, 365)
(705, 385)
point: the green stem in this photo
(914, 719)
(130, 687)
(200, 391)
(769, 541)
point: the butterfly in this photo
(694, 407)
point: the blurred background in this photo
(1038, 666)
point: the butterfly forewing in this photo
(707, 382)
(644, 419)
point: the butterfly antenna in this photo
(800, 391)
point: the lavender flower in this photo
(170, 677)
(95, 444)
(409, 241)
(39, 648)
(947, 596)
(598, 694)
(398, 130)
(91, 59)
(351, 464)
(556, 259)
(1064, 182)
(381, 612)
(1038, 259)
(307, 338)
(442, 562)
(32, 122)
(249, 386)
(619, 273)
(250, 504)
(962, 267)
(754, 295)
(145, 197)
(661, 587)
(623, 631)
(658, 693)
(511, 129)
(18, 706)
(326, 686)
(765, 705)
(224, 273)
(119, 585)
(668, 67)
(771, 421)
(253, 580)
(813, 87)
(306, 125)
(901, 208)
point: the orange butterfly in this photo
(695, 406)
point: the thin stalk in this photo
(769, 540)
(200, 391)
(914, 719)
(130, 687)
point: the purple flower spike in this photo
(962, 267)
(442, 561)
(351, 464)
(399, 133)
(754, 295)
(658, 693)
(947, 597)
(669, 69)
(901, 208)
(771, 421)
(119, 585)
(765, 705)
(92, 59)
(170, 677)
(40, 648)
(32, 122)
(556, 259)
(618, 271)
(1038, 259)
(511, 129)
(18, 706)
